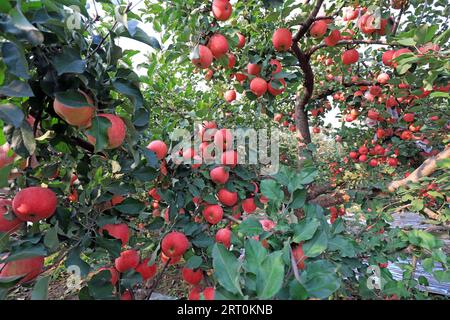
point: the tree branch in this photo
(424, 170)
(301, 117)
(349, 42)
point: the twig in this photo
(158, 279)
(231, 218)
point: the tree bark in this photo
(424, 170)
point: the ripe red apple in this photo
(373, 162)
(276, 64)
(117, 199)
(159, 148)
(129, 259)
(229, 158)
(8, 226)
(28, 268)
(367, 23)
(173, 260)
(209, 293)
(408, 117)
(231, 61)
(248, 205)
(218, 45)
(406, 135)
(219, 175)
(114, 274)
(224, 236)
(387, 56)
(223, 139)
(333, 38)
(353, 155)
(254, 69)
(118, 231)
(209, 73)
(126, 295)
(241, 42)
(393, 162)
(192, 276)
(230, 96)
(282, 39)
(318, 29)
(205, 58)
(362, 158)
(277, 117)
(34, 204)
(399, 53)
(316, 130)
(76, 116)
(221, 9)
(227, 197)
(4, 158)
(146, 271)
(116, 132)
(274, 91)
(258, 86)
(363, 150)
(299, 256)
(213, 213)
(174, 244)
(350, 57)
(383, 78)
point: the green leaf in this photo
(138, 34)
(99, 130)
(74, 260)
(130, 206)
(17, 25)
(345, 246)
(297, 291)
(17, 88)
(72, 98)
(69, 61)
(407, 42)
(299, 199)
(423, 239)
(269, 278)
(129, 90)
(194, 262)
(250, 227)
(320, 279)
(272, 190)
(226, 268)
(15, 60)
(305, 230)
(417, 205)
(318, 244)
(27, 252)
(21, 139)
(11, 114)
(40, 289)
(51, 238)
(255, 254)
(100, 286)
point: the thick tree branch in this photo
(330, 91)
(301, 117)
(424, 170)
